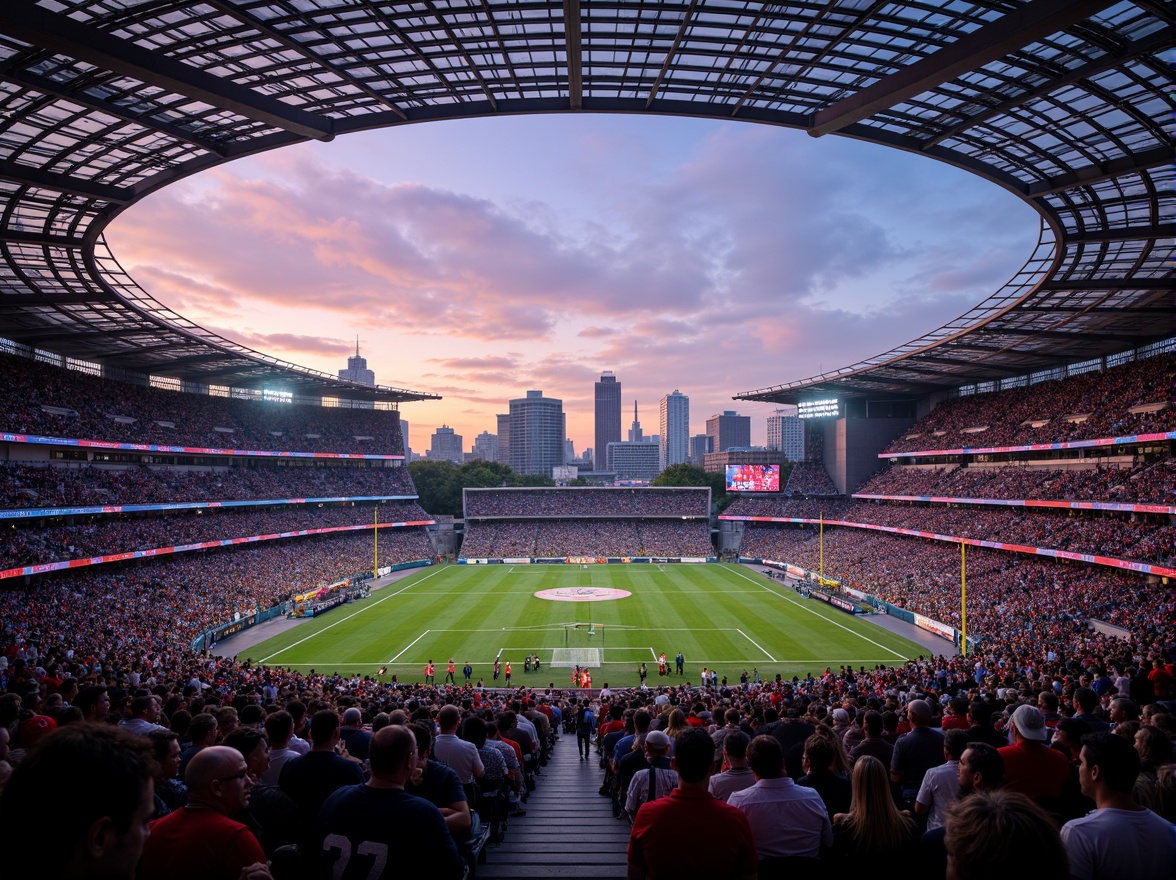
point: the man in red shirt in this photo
(200, 840)
(691, 813)
(1031, 766)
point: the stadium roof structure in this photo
(1061, 102)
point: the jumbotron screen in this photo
(753, 478)
(829, 408)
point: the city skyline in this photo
(478, 257)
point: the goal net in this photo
(583, 647)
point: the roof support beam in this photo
(1010, 32)
(1129, 233)
(573, 48)
(12, 236)
(1109, 284)
(76, 96)
(687, 19)
(290, 43)
(63, 183)
(1160, 156)
(47, 299)
(1154, 43)
(60, 33)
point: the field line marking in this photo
(822, 616)
(410, 644)
(653, 653)
(757, 644)
(349, 616)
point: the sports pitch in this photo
(727, 618)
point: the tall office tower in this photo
(674, 436)
(357, 371)
(569, 451)
(446, 446)
(635, 428)
(536, 434)
(503, 438)
(404, 440)
(608, 416)
(728, 429)
(700, 445)
(786, 433)
(486, 446)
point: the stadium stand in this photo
(39, 398)
(1126, 400)
(555, 523)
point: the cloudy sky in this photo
(478, 259)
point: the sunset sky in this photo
(478, 259)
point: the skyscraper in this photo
(503, 420)
(486, 446)
(608, 417)
(357, 371)
(674, 445)
(701, 445)
(635, 435)
(728, 429)
(786, 433)
(446, 446)
(536, 434)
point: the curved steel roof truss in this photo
(1062, 102)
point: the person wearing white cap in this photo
(1031, 766)
(657, 781)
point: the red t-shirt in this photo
(1035, 770)
(661, 828)
(198, 843)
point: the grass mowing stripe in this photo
(822, 616)
(375, 604)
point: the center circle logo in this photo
(582, 594)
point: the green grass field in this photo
(724, 617)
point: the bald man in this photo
(200, 840)
(369, 830)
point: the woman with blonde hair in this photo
(675, 724)
(873, 831)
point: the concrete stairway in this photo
(569, 830)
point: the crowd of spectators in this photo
(1138, 537)
(809, 478)
(783, 506)
(1084, 407)
(151, 611)
(1149, 482)
(562, 503)
(1019, 601)
(44, 485)
(39, 398)
(33, 542)
(552, 539)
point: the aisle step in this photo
(569, 830)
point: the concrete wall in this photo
(852, 446)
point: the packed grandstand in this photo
(896, 539)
